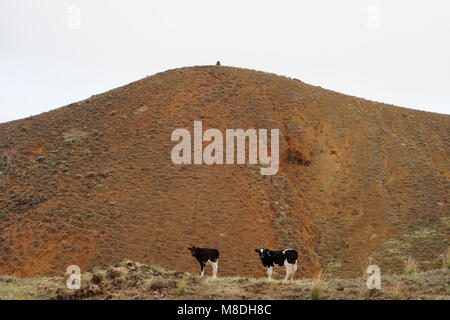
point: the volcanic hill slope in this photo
(93, 183)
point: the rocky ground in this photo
(135, 281)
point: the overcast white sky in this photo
(56, 52)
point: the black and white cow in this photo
(287, 258)
(204, 256)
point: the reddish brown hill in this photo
(93, 182)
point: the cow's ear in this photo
(190, 249)
(257, 250)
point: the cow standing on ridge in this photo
(287, 258)
(204, 256)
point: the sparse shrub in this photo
(3, 164)
(119, 283)
(7, 279)
(157, 270)
(195, 279)
(372, 292)
(176, 274)
(113, 272)
(446, 260)
(97, 277)
(65, 277)
(140, 110)
(132, 283)
(240, 280)
(410, 266)
(396, 291)
(74, 136)
(317, 285)
(90, 174)
(181, 291)
(158, 284)
(127, 263)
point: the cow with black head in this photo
(271, 258)
(205, 256)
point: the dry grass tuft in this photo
(446, 260)
(364, 265)
(364, 275)
(181, 291)
(410, 266)
(318, 284)
(396, 291)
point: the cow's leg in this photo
(202, 267)
(215, 266)
(269, 273)
(294, 269)
(288, 270)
